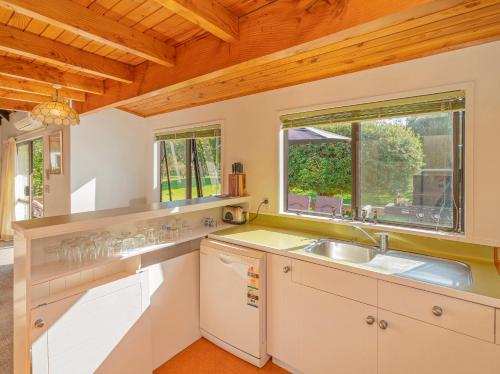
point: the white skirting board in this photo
(282, 365)
(259, 362)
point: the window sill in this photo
(379, 226)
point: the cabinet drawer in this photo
(338, 282)
(458, 315)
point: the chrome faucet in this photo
(384, 238)
(384, 241)
(365, 234)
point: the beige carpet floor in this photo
(6, 258)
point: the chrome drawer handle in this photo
(437, 311)
(383, 324)
(39, 323)
(370, 320)
(286, 269)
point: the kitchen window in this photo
(190, 163)
(397, 162)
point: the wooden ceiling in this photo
(154, 56)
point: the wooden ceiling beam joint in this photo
(208, 14)
(46, 74)
(27, 86)
(22, 96)
(33, 46)
(80, 20)
(20, 106)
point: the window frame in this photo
(159, 158)
(459, 179)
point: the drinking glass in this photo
(128, 245)
(164, 234)
(115, 243)
(74, 254)
(139, 240)
(174, 233)
(101, 246)
(66, 250)
(150, 236)
(88, 251)
(185, 229)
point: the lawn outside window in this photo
(397, 162)
(190, 163)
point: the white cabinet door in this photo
(336, 334)
(282, 313)
(174, 288)
(105, 330)
(413, 347)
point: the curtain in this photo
(7, 189)
(426, 104)
(194, 133)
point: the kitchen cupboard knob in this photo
(383, 324)
(437, 311)
(39, 323)
(286, 269)
(370, 320)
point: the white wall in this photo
(252, 123)
(108, 161)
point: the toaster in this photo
(234, 214)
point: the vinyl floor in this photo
(203, 357)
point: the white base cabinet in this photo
(336, 335)
(128, 324)
(415, 347)
(282, 316)
(174, 289)
(315, 331)
(105, 330)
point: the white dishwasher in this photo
(232, 299)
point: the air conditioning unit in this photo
(26, 124)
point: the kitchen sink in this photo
(429, 269)
(342, 251)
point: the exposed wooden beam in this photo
(47, 74)
(23, 85)
(208, 14)
(450, 33)
(302, 33)
(21, 106)
(33, 46)
(313, 68)
(80, 20)
(22, 96)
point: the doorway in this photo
(29, 180)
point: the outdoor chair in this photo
(326, 204)
(298, 202)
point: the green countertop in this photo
(291, 242)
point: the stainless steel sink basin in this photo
(443, 272)
(342, 251)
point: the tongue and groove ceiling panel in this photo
(153, 56)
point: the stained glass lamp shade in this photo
(55, 112)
